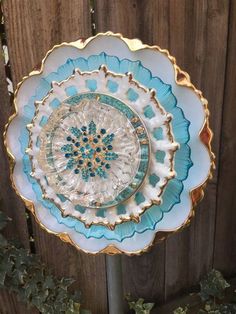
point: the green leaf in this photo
(148, 306)
(23, 273)
(181, 310)
(213, 285)
(139, 306)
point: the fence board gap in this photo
(33, 27)
(225, 237)
(10, 203)
(142, 276)
(201, 20)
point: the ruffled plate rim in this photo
(182, 79)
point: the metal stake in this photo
(114, 282)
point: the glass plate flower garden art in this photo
(109, 144)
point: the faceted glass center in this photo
(89, 151)
(94, 151)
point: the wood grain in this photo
(201, 35)
(143, 276)
(9, 304)
(187, 29)
(225, 239)
(193, 25)
(88, 271)
(10, 204)
(33, 27)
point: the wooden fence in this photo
(201, 34)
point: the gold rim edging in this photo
(135, 218)
(182, 79)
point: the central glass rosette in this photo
(101, 148)
(95, 152)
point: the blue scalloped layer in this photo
(180, 127)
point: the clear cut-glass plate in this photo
(110, 144)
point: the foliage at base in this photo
(215, 297)
(24, 273)
(139, 306)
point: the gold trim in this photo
(139, 130)
(181, 79)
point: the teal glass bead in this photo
(94, 163)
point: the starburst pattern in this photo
(89, 151)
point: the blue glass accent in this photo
(43, 121)
(158, 133)
(114, 102)
(76, 132)
(91, 85)
(121, 209)
(160, 155)
(71, 91)
(109, 137)
(183, 161)
(139, 198)
(101, 213)
(153, 179)
(92, 128)
(38, 142)
(112, 86)
(70, 164)
(67, 148)
(148, 112)
(80, 153)
(62, 198)
(180, 127)
(132, 95)
(80, 209)
(55, 103)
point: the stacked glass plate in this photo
(110, 144)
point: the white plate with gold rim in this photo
(112, 145)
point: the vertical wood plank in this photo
(195, 32)
(188, 29)
(143, 276)
(33, 27)
(225, 240)
(10, 204)
(193, 25)
(9, 304)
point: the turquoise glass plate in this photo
(180, 127)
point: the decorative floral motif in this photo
(89, 151)
(168, 164)
(123, 138)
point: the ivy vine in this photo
(216, 296)
(23, 273)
